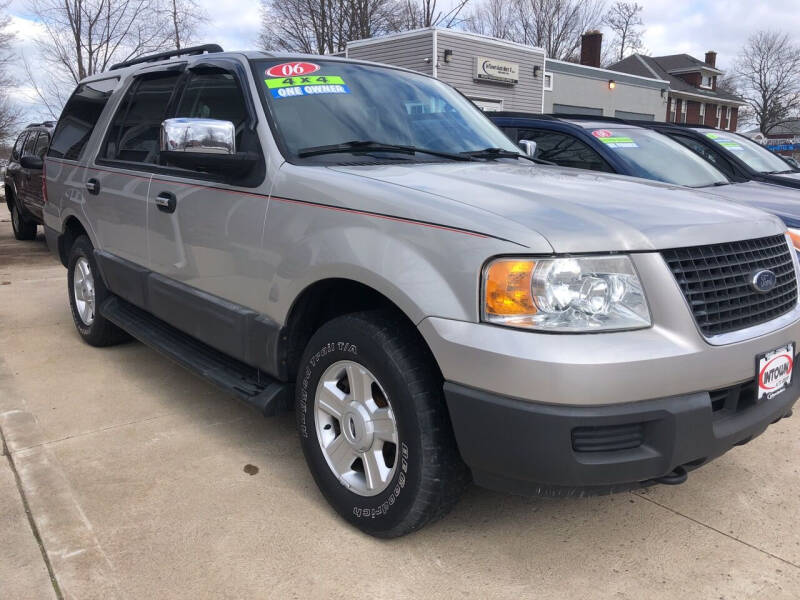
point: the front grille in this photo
(608, 438)
(715, 280)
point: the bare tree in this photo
(768, 77)
(84, 37)
(415, 14)
(495, 18)
(624, 20)
(10, 112)
(555, 25)
(186, 17)
(323, 26)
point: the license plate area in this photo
(774, 372)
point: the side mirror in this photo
(207, 145)
(528, 147)
(198, 136)
(32, 162)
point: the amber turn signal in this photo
(508, 288)
(794, 234)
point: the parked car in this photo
(23, 179)
(739, 157)
(616, 146)
(361, 243)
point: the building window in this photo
(729, 117)
(672, 109)
(707, 81)
(548, 82)
(719, 114)
(702, 113)
(683, 111)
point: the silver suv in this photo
(360, 243)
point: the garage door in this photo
(624, 114)
(568, 109)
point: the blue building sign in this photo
(783, 147)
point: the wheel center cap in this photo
(357, 428)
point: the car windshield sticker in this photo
(309, 90)
(307, 80)
(725, 142)
(614, 141)
(292, 69)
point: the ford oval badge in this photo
(763, 281)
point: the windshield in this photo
(754, 155)
(651, 155)
(326, 103)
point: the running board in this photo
(268, 395)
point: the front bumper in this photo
(521, 447)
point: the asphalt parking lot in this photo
(142, 481)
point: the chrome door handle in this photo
(166, 202)
(93, 186)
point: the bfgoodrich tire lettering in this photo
(428, 475)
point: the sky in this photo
(671, 27)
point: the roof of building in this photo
(789, 128)
(662, 67)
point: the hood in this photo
(582, 211)
(783, 202)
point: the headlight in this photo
(592, 293)
(794, 234)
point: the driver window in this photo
(215, 95)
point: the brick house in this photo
(693, 96)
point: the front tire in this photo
(24, 229)
(86, 293)
(374, 426)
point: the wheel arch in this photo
(71, 230)
(326, 299)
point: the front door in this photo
(202, 232)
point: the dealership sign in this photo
(496, 70)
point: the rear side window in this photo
(79, 118)
(564, 150)
(134, 132)
(17, 151)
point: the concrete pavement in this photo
(141, 483)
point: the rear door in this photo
(23, 180)
(34, 187)
(127, 158)
(14, 173)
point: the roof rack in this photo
(192, 51)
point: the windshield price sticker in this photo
(724, 142)
(775, 371)
(292, 69)
(309, 90)
(306, 80)
(614, 141)
(619, 142)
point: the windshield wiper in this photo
(372, 146)
(492, 153)
(780, 172)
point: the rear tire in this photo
(24, 229)
(369, 400)
(86, 294)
